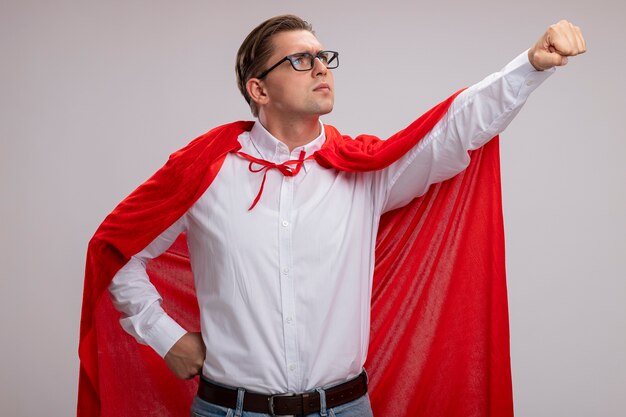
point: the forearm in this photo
(139, 301)
(485, 109)
(476, 115)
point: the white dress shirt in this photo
(284, 289)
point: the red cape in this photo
(439, 341)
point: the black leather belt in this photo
(284, 404)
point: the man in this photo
(281, 247)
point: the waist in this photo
(275, 378)
(286, 403)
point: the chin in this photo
(327, 110)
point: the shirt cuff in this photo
(530, 77)
(164, 334)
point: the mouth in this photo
(322, 87)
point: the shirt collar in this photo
(272, 149)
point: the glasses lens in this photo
(329, 58)
(302, 62)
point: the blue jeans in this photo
(357, 408)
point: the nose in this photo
(318, 67)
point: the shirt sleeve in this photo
(138, 300)
(476, 115)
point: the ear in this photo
(257, 92)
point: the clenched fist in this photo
(560, 41)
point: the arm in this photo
(478, 114)
(142, 316)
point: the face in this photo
(292, 94)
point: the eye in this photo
(301, 61)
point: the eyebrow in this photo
(308, 51)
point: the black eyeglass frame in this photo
(332, 63)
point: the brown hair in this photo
(257, 48)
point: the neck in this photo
(293, 133)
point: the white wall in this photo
(95, 95)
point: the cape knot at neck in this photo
(288, 168)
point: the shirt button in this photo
(530, 83)
(292, 367)
(285, 271)
(285, 223)
(289, 320)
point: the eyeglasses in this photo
(304, 61)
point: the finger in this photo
(574, 39)
(563, 41)
(545, 60)
(193, 372)
(568, 39)
(581, 40)
(566, 45)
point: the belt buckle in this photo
(271, 401)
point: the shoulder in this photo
(219, 139)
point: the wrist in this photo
(531, 58)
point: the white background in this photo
(94, 95)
